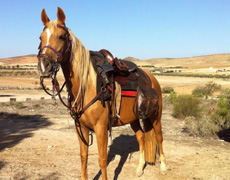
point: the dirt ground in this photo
(38, 141)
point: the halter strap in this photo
(57, 53)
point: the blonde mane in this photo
(81, 61)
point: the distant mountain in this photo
(131, 59)
(216, 61)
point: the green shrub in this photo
(210, 125)
(199, 92)
(201, 126)
(167, 89)
(212, 87)
(226, 93)
(19, 105)
(186, 105)
(207, 90)
(171, 97)
(222, 114)
(36, 106)
(3, 104)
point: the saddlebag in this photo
(146, 103)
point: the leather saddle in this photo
(121, 65)
(122, 71)
(130, 77)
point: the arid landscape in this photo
(38, 138)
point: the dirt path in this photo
(39, 141)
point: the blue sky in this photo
(138, 28)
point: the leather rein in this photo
(56, 66)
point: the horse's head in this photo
(55, 44)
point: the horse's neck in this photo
(73, 82)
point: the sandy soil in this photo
(39, 141)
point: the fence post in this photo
(13, 99)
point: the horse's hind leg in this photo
(158, 131)
(140, 138)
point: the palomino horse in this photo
(60, 46)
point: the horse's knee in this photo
(159, 137)
(158, 131)
(84, 158)
(103, 163)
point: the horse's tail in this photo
(150, 149)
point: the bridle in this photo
(69, 43)
(54, 65)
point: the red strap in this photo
(125, 93)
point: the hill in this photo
(19, 60)
(216, 61)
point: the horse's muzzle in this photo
(45, 66)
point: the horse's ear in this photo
(44, 17)
(61, 16)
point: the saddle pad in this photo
(126, 93)
(128, 83)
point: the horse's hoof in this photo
(163, 168)
(139, 172)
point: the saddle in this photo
(130, 78)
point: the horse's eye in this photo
(62, 37)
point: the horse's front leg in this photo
(84, 133)
(102, 141)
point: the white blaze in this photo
(48, 38)
(42, 66)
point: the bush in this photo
(19, 105)
(199, 92)
(171, 97)
(167, 89)
(226, 93)
(222, 114)
(201, 126)
(186, 105)
(212, 87)
(36, 106)
(207, 90)
(211, 125)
